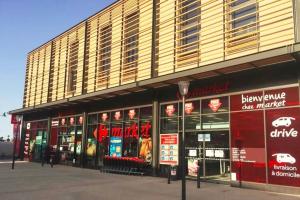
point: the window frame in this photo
(104, 55)
(72, 66)
(246, 35)
(130, 46)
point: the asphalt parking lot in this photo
(30, 181)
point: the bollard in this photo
(169, 175)
(198, 175)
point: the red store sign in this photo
(129, 132)
(270, 99)
(216, 88)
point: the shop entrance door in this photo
(211, 149)
(38, 145)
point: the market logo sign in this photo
(215, 104)
(188, 108)
(170, 109)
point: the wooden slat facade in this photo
(220, 37)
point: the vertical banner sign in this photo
(283, 141)
(27, 140)
(16, 132)
(168, 149)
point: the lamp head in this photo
(183, 87)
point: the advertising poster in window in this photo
(193, 166)
(168, 149)
(145, 142)
(115, 147)
(283, 143)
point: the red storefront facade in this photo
(245, 135)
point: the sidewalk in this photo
(30, 181)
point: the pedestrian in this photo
(46, 155)
(51, 156)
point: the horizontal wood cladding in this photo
(114, 46)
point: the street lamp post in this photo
(183, 89)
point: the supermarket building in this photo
(104, 93)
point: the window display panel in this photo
(40, 144)
(248, 146)
(78, 140)
(169, 110)
(214, 105)
(92, 119)
(53, 137)
(283, 142)
(169, 125)
(66, 142)
(130, 139)
(71, 132)
(131, 114)
(117, 116)
(216, 151)
(192, 116)
(146, 113)
(33, 150)
(215, 121)
(145, 141)
(104, 118)
(121, 137)
(116, 135)
(169, 118)
(131, 133)
(103, 134)
(103, 141)
(194, 154)
(36, 139)
(91, 145)
(192, 123)
(190, 108)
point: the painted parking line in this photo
(9, 162)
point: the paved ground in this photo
(29, 181)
